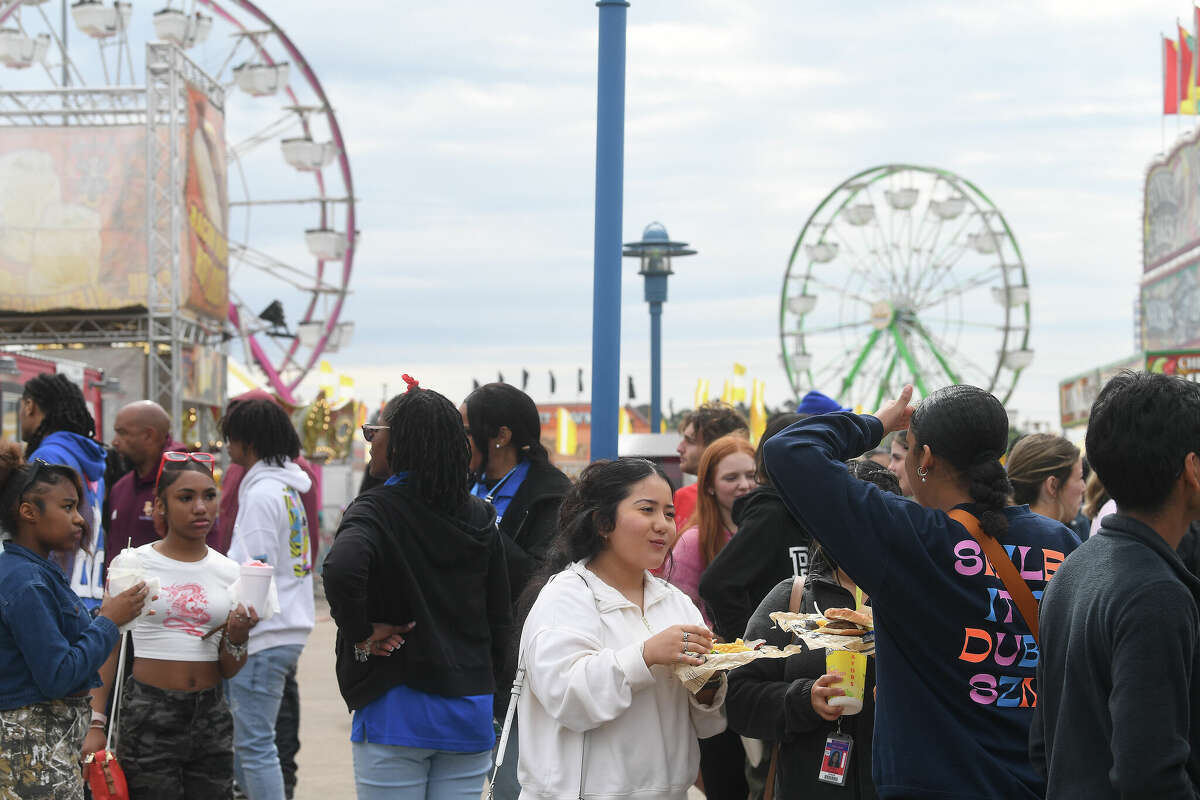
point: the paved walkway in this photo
(326, 772)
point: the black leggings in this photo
(723, 767)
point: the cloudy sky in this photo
(470, 128)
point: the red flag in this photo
(1170, 77)
(1196, 33)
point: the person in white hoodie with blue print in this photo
(271, 527)
(58, 428)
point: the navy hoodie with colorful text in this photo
(956, 662)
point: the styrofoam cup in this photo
(255, 586)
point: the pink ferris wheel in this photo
(290, 192)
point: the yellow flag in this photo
(739, 384)
(739, 369)
(325, 377)
(625, 425)
(727, 392)
(564, 440)
(701, 393)
(662, 425)
(345, 387)
(758, 412)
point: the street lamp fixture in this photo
(655, 252)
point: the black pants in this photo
(287, 732)
(723, 767)
(176, 744)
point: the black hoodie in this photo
(770, 545)
(531, 522)
(396, 560)
(771, 699)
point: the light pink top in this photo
(687, 568)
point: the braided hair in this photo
(262, 425)
(14, 474)
(426, 440)
(61, 402)
(967, 428)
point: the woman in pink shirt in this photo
(726, 473)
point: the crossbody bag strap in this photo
(1018, 590)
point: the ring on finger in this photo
(685, 636)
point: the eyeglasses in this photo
(369, 431)
(177, 457)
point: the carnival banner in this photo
(72, 218)
(206, 198)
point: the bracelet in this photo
(238, 651)
(97, 725)
(99, 716)
(362, 652)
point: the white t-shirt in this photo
(193, 600)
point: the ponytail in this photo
(988, 485)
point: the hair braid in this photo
(988, 485)
(426, 439)
(61, 402)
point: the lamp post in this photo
(655, 251)
(606, 275)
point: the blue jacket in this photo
(87, 457)
(50, 647)
(956, 662)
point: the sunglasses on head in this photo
(369, 431)
(177, 457)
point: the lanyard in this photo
(490, 496)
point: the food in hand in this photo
(736, 646)
(846, 622)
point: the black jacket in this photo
(396, 560)
(771, 699)
(1118, 712)
(530, 523)
(770, 545)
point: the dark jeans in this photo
(176, 744)
(287, 732)
(723, 767)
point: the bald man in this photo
(143, 434)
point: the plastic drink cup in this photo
(853, 668)
(255, 585)
(125, 570)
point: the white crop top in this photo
(194, 599)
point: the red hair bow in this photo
(412, 382)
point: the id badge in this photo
(836, 760)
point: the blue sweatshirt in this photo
(85, 568)
(956, 662)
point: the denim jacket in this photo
(50, 647)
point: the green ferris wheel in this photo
(904, 274)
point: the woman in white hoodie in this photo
(603, 713)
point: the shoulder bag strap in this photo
(1018, 590)
(793, 606)
(118, 683)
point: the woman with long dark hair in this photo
(603, 713)
(176, 729)
(51, 649)
(417, 585)
(956, 657)
(511, 469)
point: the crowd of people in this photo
(500, 624)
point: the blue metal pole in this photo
(606, 282)
(655, 367)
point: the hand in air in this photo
(896, 414)
(678, 644)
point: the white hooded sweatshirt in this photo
(590, 701)
(271, 526)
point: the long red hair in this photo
(707, 514)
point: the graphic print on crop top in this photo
(187, 608)
(1003, 659)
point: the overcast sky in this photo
(471, 132)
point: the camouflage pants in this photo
(39, 750)
(176, 744)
